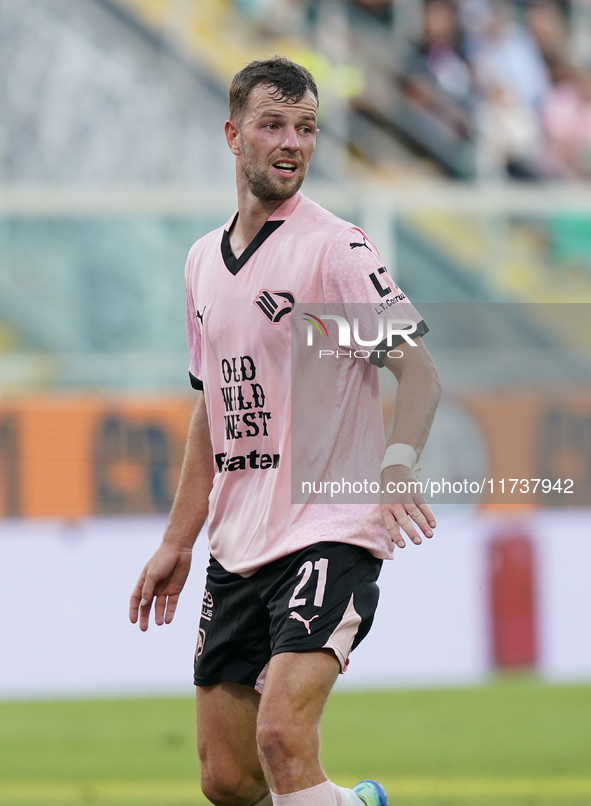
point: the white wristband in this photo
(399, 454)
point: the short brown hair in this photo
(289, 81)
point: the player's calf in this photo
(222, 789)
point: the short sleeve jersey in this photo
(239, 335)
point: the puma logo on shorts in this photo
(305, 622)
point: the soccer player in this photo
(291, 588)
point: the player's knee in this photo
(277, 741)
(229, 789)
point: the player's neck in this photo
(252, 214)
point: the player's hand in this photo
(401, 511)
(162, 580)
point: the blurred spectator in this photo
(510, 135)
(474, 16)
(380, 9)
(491, 77)
(511, 81)
(547, 25)
(279, 18)
(506, 54)
(437, 75)
(566, 116)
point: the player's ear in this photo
(232, 133)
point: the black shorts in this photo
(323, 596)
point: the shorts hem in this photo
(338, 654)
(299, 648)
(202, 683)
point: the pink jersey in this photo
(239, 331)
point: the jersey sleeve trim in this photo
(195, 382)
(382, 348)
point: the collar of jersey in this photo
(234, 264)
(275, 220)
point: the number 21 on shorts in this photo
(321, 566)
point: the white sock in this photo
(346, 797)
(321, 795)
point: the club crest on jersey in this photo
(275, 304)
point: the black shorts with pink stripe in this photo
(324, 596)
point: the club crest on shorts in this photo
(275, 304)
(200, 644)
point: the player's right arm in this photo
(164, 575)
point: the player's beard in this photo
(264, 186)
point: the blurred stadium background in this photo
(458, 134)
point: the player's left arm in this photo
(355, 277)
(418, 393)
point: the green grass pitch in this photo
(514, 742)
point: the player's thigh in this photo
(297, 687)
(226, 742)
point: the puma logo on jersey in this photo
(304, 621)
(355, 245)
(275, 304)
